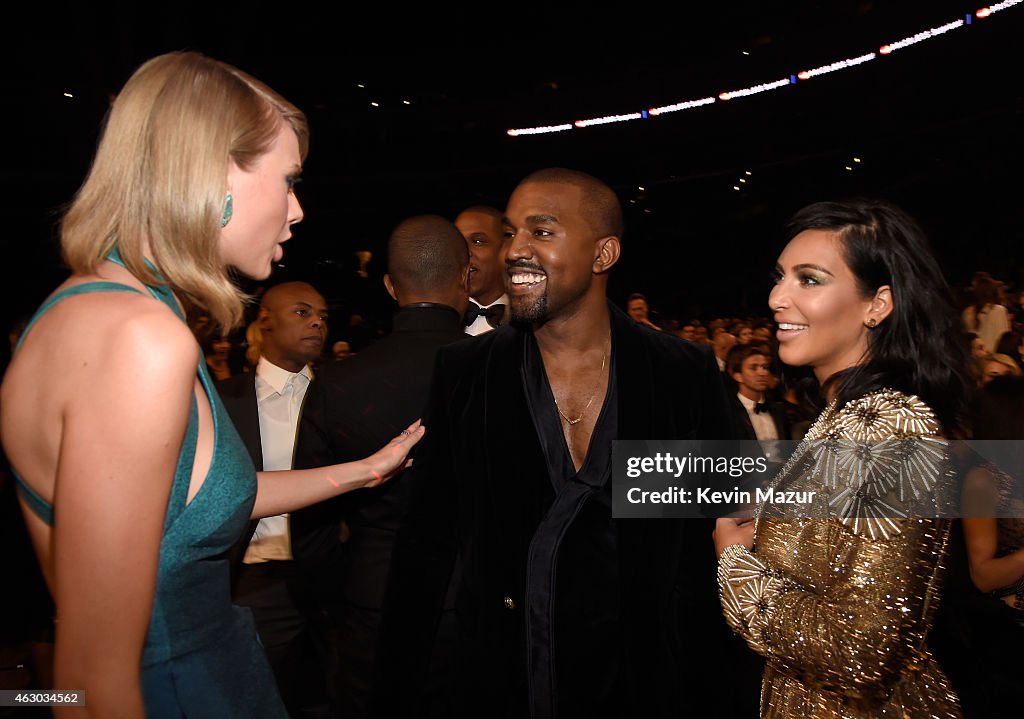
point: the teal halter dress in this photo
(202, 657)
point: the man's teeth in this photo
(788, 326)
(522, 278)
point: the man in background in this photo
(354, 407)
(488, 308)
(265, 406)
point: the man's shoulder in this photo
(387, 355)
(475, 351)
(478, 345)
(672, 347)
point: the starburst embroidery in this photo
(879, 459)
(750, 590)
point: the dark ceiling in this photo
(937, 127)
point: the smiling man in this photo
(562, 610)
(265, 406)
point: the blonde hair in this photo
(160, 175)
(1005, 360)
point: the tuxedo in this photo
(561, 609)
(352, 409)
(776, 410)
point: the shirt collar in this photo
(746, 402)
(503, 300)
(276, 377)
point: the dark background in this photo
(937, 126)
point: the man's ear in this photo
(390, 287)
(608, 249)
(262, 317)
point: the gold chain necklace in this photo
(590, 401)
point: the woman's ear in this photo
(880, 308)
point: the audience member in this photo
(996, 365)
(985, 316)
(217, 351)
(750, 367)
(341, 350)
(639, 311)
(744, 333)
(722, 343)
(992, 626)
(1011, 344)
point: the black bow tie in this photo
(760, 407)
(494, 313)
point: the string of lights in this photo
(793, 79)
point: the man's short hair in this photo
(600, 204)
(426, 253)
(739, 354)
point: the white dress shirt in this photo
(279, 395)
(764, 428)
(764, 425)
(480, 324)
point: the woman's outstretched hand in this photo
(390, 459)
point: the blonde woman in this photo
(133, 481)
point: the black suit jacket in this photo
(478, 476)
(353, 408)
(238, 393)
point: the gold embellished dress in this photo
(839, 595)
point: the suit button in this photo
(509, 603)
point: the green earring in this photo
(228, 211)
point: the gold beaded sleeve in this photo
(750, 592)
(842, 603)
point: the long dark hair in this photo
(918, 348)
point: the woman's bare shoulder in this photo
(103, 330)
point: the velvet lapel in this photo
(508, 450)
(647, 547)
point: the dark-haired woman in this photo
(993, 502)
(839, 594)
(991, 634)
